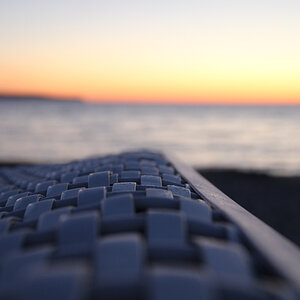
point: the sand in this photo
(275, 200)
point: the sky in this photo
(162, 51)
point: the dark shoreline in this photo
(273, 199)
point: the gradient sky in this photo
(229, 51)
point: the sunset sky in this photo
(193, 51)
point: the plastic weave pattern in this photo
(129, 226)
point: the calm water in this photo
(260, 138)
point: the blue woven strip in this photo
(125, 226)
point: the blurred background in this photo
(261, 138)
(217, 83)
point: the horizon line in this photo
(163, 102)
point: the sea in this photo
(256, 138)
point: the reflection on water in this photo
(264, 138)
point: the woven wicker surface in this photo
(125, 226)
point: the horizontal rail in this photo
(282, 254)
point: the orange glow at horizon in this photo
(152, 90)
(232, 79)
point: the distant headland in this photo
(26, 97)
